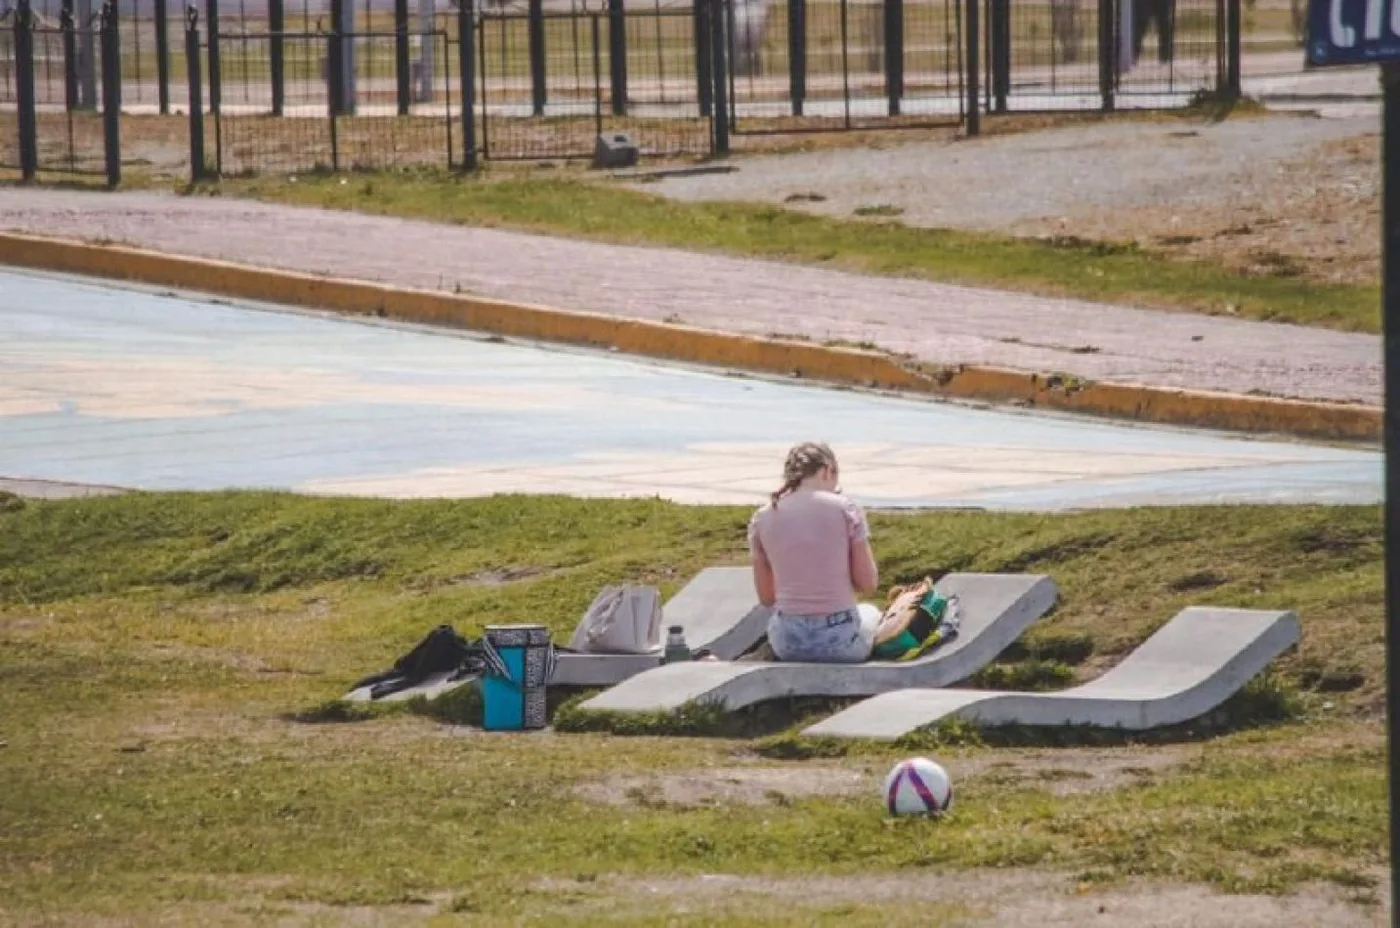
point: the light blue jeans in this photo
(845, 637)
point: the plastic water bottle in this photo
(676, 648)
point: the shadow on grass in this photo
(776, 725)
(1265, 701)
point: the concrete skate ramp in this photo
(1191, 665)
(996, 609)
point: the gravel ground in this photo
(934, 322)
(1275, 194)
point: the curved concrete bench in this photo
(719, 610)
(996, 609)
(1191, 665)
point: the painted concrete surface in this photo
(123, 387)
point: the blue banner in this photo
(1353, 31)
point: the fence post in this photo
(216, 73)
(340, 63)
(112, 92)
(1000, 28)
(974, 90)
(198, 168)
(1108, 51)
(70, 55)
(24, 91)
(276, 52)
(597, 42)
(466, 67)
(719, 68)
(538, 94)
(617, 55)
(704, 82)
(894, 53)
(1232, 38)
(162, 56)
(405, 86)
(335, 87)
(797, 54)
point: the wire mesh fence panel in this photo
(546, 105)
(366, 133)
(9, 97)
(376, 137)
(140, 77)
(1081, 55)
(1169, 50)
(933, 58)
(552, 83)
(50, 61)
(68, 123)
(800, 65)
(244, 137)
(662, 115)
(661, 57)
(1052, 57)
(9, 138)
(9, 64)
(759, 56)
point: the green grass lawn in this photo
(601, 212)
(155, 648)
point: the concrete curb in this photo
(1333, 421)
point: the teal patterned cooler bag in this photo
(519, 661)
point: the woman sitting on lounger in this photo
(811, 559)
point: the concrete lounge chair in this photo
(718, 609)
(1190, 666)
(996, 609)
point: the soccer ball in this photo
(918, 786)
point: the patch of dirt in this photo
(1315, 216)
(727, 786)
(1010, 898)
(23, 624)
(1062, 772)
(1072, 771)
(1316, 741)
(498, 576)
(1000, 897)
(488, 577)
(1276, 195)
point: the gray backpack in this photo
(621, 620)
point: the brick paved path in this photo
(934, 322)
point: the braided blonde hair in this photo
(803, 461)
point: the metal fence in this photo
(304, 121)
(800, 65)
(1047, 55)
(551, 83)
(296, 85)
(63, 81)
